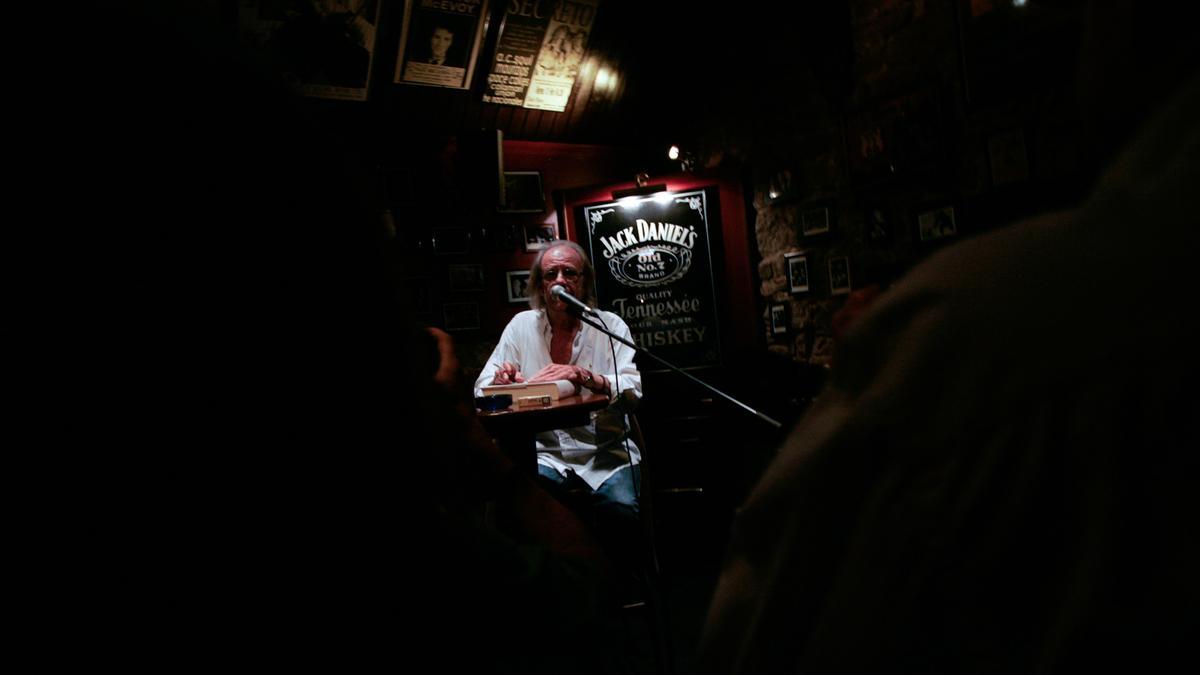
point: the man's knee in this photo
(618, 496)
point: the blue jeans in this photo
(614, 510)
(615, 498)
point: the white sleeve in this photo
(626, 375)
(506, 350)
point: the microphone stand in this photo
(642, 350)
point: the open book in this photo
(555, 389)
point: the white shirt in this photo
(596, 451)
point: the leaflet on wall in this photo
(326, 48)
(653, 260)
(539, 53)
(439, 42)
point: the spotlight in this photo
(673, 153)
(643, 189)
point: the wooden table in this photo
(514, 428)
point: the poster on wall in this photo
(653, 260)
(326, 48)
(439, 42)
(539, 53)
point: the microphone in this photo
(575, 302)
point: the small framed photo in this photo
(779, 319)
(517, 283)
(461, 315)
(539, 236)
(936, 224)
(839, 275)
(523, 193)
(797, 272)
(814, 221)
(877, 224)
(465, 277)
(451, 240)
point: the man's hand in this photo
(559, 371)
(580, 377)
(507, 373)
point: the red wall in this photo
(563, 166)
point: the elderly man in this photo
(549, 342)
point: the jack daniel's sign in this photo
(653, 259)
(656, 254)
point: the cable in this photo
(637, 489)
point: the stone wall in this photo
(944, 134)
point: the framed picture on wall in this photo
(779, 319)
(465, 277)
(839, 275)
(936, 223)
(814, 221)
(330, 51)
(517, 283)
(523, 193)
(877, 224)
(797, 273)
(539, 235)
(440, 43)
